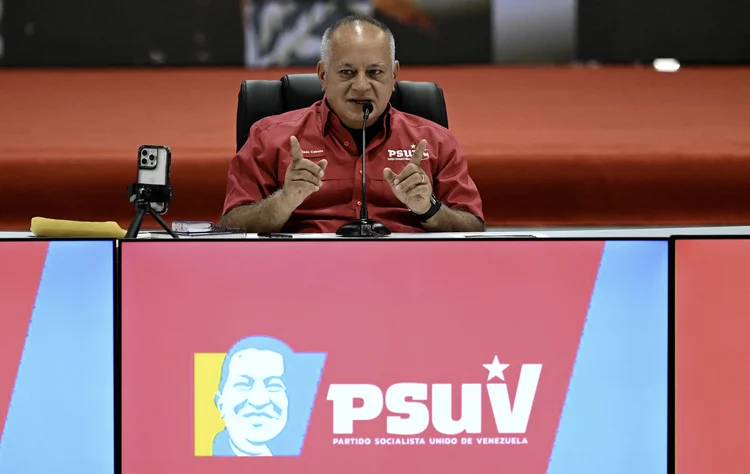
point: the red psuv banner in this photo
(394, 357)
(712, 356)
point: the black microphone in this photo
(366, 111)
(364, 226)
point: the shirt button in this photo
(360, 171)
(359, 203)
(346, 143)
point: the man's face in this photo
(360, 68)
(254, 403)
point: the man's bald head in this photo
(356, 28)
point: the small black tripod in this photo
(144, 195)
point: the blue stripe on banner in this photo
(61, 416)
(615, 415)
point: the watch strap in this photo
(434, 208)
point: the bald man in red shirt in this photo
(301, 171)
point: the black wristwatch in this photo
(434, 208)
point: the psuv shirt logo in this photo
(405, 155)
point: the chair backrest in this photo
(262, 98)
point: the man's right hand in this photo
(303, 177)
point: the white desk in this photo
(538, 232)
(420, 236)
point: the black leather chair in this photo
(262, 98)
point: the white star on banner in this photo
(495, 369)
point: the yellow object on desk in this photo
(57, 228)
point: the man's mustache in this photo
(269, 410)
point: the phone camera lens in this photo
(144, 161)
(152, 157)
(144, 152)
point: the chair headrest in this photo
(262, 98)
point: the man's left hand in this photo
(412, 186)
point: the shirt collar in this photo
(327, 118)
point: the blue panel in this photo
(615, 414)
(61, 416)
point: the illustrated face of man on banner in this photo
(265, 397)
(253, 401)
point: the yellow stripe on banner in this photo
(207, 421)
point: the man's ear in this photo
(217, 402)
(396, 70)
(322, 75)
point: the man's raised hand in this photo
(303, 177)
(412, 186)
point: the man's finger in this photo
(305, 175)
(409, 170)
(323, 164)
(296, 150)
(307, 165)
(416, 157)
(420, 189)
(307, 179)
(389, 175)
(415, 179)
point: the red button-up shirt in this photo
(258, 169)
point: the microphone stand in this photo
(364, 226)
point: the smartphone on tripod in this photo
(154, 168)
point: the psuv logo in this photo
(254, 400)
(415, 407)
(405, 155)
